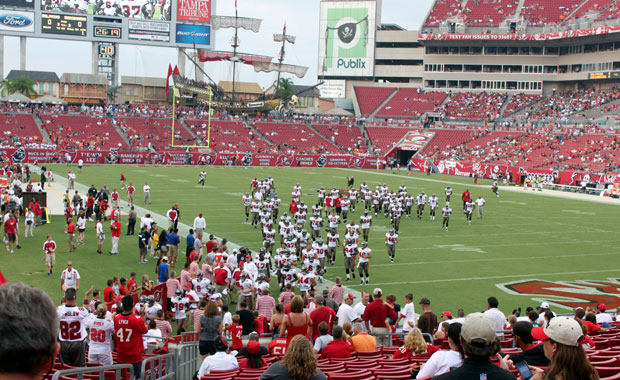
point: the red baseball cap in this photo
(602, 307)
(253, 347)
(350, 296)
(188, 285)
(446, 314)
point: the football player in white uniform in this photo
(446, 211)
(391, 238)
(365, 254)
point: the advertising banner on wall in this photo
(17, 21)
(194, 10)
(193, 34)
(347, 38)
(333, 89)
(149, 30)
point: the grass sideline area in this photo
(522, 235)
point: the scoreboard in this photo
(70, 25)
(167, 23)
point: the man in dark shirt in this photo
(478, 340)
(428, 320)
(533, 354)
(329, 302)
(246, 318)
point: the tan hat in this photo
(477, 326)
(165, 258)
(563, 330)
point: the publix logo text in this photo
(15, 21)
(351, 63)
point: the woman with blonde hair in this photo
(415, 345)
(297, 322)
(101, 331)
(146, 283)
(299, 363)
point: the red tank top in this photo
(292, 331)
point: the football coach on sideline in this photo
(28, 331)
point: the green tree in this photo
(22, 85)
(112, 91)
(285, 89)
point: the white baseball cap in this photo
(563, 330)
(544, 305)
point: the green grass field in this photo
(522, 235)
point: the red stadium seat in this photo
(614, 377)
(606, 371)
(359, 375)
(603, 361)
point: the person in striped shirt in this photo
(163, 325)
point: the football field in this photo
(522, 236)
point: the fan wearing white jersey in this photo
(446, 211)
(72, 332)
(100, 333)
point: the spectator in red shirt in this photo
(466, 197)
(129, 329)
(321, 314)
(277, 346)
(70, 230)
(108, 293)
(10, 231)
(132, 286)
(236, 331)
(337, 348)
(210, 244)
(376, 318)
(122, 289)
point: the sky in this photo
(301, 17)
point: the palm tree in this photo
(112, 91)
(285, 89)
(22, 85)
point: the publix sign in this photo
(17, 21)
(347, 43)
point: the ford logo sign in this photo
(15, 21)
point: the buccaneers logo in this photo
(283, 160)
(568, 294)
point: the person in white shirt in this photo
(346, 313)
(147, 193)
(199, 224)
(361, 306)
(603, 317)
(70, 278)
(441, 361)
(29, 221)
(101, 331)
(496, 316)
(100, 235)
(407, 314)
(221, 361)
(152, 336)
(480, 202)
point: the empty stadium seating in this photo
(383, 139)
(543, 12)
(19, 127)
(369, 98)
(350, 137)
(488, 12)
(592, 6)
(410, 103)
(473, 106)
(446, 138)
(154, 132)
(228, 136)
(441, 10)
(295, 137)
(82, 132)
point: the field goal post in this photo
(207, 148)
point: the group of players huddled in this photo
(315, 251)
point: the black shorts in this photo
(206, 347)
(169, 304)
(11, 237)
(73, 353)
(81, 229)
